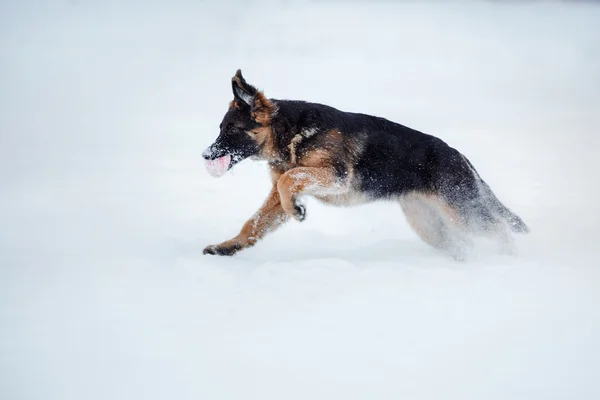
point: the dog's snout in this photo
(207, 153)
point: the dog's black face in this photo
(235, 137)
(242, 129)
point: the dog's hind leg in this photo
(425, 221)
(506, 240)
(436, 223)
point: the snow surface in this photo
(105, 109)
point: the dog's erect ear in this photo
(242, 91)
(261, 108)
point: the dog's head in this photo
(245, 130)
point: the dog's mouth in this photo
(218, 163)
(217, 167)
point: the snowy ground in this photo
(106, 205)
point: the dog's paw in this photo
(300, 212)
(222, 250)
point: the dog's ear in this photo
(244, 94)
(263, 109)
(242, 91)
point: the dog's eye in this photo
(236, 129)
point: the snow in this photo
(105, 109)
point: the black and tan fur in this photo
(344, 158)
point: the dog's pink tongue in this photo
(218, 167)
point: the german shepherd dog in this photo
(344, 158)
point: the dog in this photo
(343, 158)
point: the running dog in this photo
(344, 158)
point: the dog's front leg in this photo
(306, 180)
(268, 218)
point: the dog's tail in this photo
(515, 222)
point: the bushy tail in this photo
(515, 222)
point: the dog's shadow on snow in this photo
(304, 246)
(398, 252)
(321, 247)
